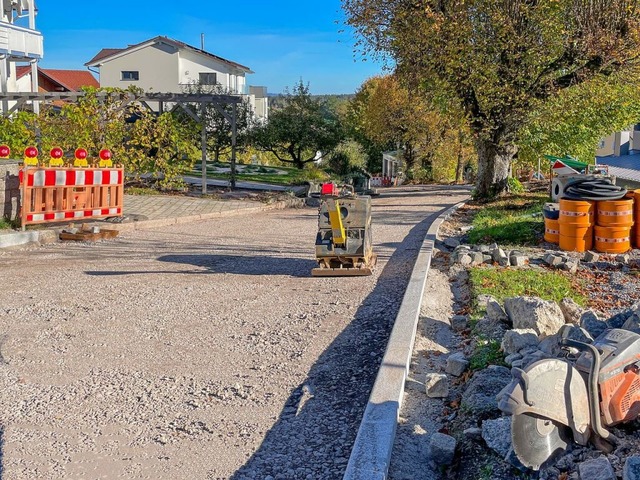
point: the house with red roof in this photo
(54, 80)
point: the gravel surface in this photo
(198, 351)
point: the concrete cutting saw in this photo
(556, 400)
(343, 242)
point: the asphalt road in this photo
(201, 350)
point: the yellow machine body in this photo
(344, 241)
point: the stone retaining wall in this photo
(9, 189)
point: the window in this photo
(208, 79)
(130, 75)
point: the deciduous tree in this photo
(298, 130)
(500, 59)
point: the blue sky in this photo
(280, 40)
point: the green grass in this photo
(5, 225)
(505, 283)
(259, 173)
(514, 220)
(485, 353)
(142, 191)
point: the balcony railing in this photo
(19, 42)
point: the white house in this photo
(20, 42)
(164, 65)
(620, 143)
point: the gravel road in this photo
(198, 351)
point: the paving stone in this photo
(495, 312)
(590, 257)
(459, 322)
(517, 339)
(465, 260)
(570, 266)
(591, 323)
(632, 323)
(543, 316)
(571, 311)
(436, 385)
(480, 394)
(518, 259)
(497, 434)
(631, 469)
(456, 364)
(442, 448)
(553, 260)
(451, 242)
(509, 359)
(597, 469)
(623, 258)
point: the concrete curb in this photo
(163, 222)
(51, 235)
(371, 453)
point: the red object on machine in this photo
(56, 152)
(5, 151)
(80, 153)
(105, 154)
(329, 189)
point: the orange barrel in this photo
(575, 238)
(635, 231)
(613, 239)
(576, 225)
(551, 230)
(615, 213)
(580, 212)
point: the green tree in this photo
(298, 130)
(388, 113)
(500, 59)
(578, 118)
(18, 132)
(97, 120)
(348, 157)
(219, 129)
(162, 145)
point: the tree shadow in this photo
(321, 417)
(227, 264)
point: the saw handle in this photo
(594, 371)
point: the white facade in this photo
(163, 65)
(19, 42)
(620, 143)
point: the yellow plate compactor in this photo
(343, 243)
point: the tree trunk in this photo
(493, 168)
(459, 165)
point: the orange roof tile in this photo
(71, 79)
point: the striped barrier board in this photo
(57, 194)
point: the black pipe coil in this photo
(593, 189)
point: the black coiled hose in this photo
(593, 189)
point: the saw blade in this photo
(536, 440)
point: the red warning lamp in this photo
(31, 156)
(81, 153)
(56, 152)
(105, 154)
(31, 152)
(5, 151)
(105, 158)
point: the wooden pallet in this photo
(89, 236)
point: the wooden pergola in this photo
(164, 102)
